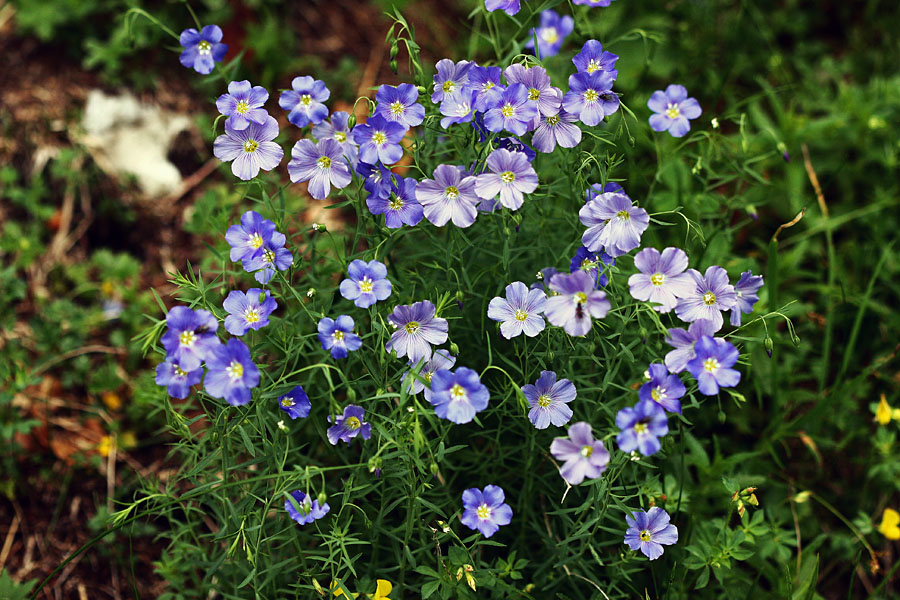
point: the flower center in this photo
(448, 86)
(534, 94)
(656, 393)
(427, 376)
(488, 86)
(412, 328)
(657, 279)
(365, 286)
(549, 35)
(235, 370)
(255, 241)
(305, 99)
(645, 536)
(252, 315)
(379, 138)
(324, 162)
(287, 402)
(552, 120)
(397, 108)
(588, 264)
(580, 297)
(268, 256)
(340, 136)
(187, 338)
(507, 176)
(672, 111)
(507, 110)
(593, 65)
(640, 427)
(242, 107)
(709, 298)
(396, 203)
(251, 146)
(457, 392)
(623, 214)
(591, 96)
(338, 336)
(521, 315)
(352, 423)
(204, 47)
(483, 511)
(543, 401)
(586, 451)
(711, 365)
(180, 372)
(463, 109)
(452, 192)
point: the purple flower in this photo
(338, 337)
(683, 342)
(673, 109)
(594, 58)
(707, 298)
(458, 108)
(575, 303)
(514, 144)
(400, 206)
(202, 49)
(295, 403)
(511, 175)
(662, 278)
(270, 258)
(367, 284)
(349, 425)
(513, 112)
(248, 311)
(590, 96)
(510, 7)
(458, 395)
(648, 531)
(546, 98)
(417, 330)
(177, 381)
(441, 359)
(376, 178)
(450, 79)
(614, 224)
(641, 426)
(379, 140)
(711, 365)
(485, 83)
(745, 291)
(449, 196)
(307, 510)
(247, 238)
(596, 190)
(251, 149)
(322, 165)
(400, 104)
(337, 128)
(243, 104)
(485, 511)
(549, 400)
(304, 103)
(520, 312)
(230, 373)
(589, 262)
(550, 34)
(558, 129)
(664, 389)
(191, 337)
(583, 456)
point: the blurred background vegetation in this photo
(807, 95)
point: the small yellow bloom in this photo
(890, 524)
(384, 588)
(106, 445)
(883, 413)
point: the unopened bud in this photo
(421, 89)
(351, 121)
(459, 573)
(454, 349)
(395, 49)
(351, 395)
(322, 497)
(770, 346)
(434, 468)
(721, 416)
(393, 65)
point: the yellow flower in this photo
(883, 413)
(890, 524)
(384, 588)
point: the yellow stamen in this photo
(379, 138)
(507, 176)
(324, 162)
(412, 327)
(591, 96)
(365, 286)
(483, 511)
(452, 192)
(543, 401)
(187, 338)
(672, 111)
(251, 146)
(709, 298)
(235, 370)
(521, 315)
(657, 279)
(352, 423)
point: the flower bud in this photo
(721, 416)
(770, 346)
(322, 497)
(454, 349)
(351, 395)
(434, 468)
(351, 121)
(395, 49)
(421, 89)
(393, 65)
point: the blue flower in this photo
(711, 365)
(251, 149)
(648, 531)
(546, 98)
(513, 112)
(400, 207)
(349, 425)
(309, 509)
(304, 102)
(662, 279)
(683, 342)
(322, 165)
(520, 312)
(458, 395)
(247, 238)
(248, 311)
(230, 373)
(613, 224)
(337, 128)
(449, 196)
(589, 262)
(583, 455)
(709, 295)
(243, 104)
(270, 258)
(510, 175)
(673, 109)
(575, 303)
(441, 359)
(178, 382)
(338, 337)
(641, 426)
(549, 400)
(376, 178)
(459, 108)
(295, 403)
(417, 329)
(191, 337)
(590, 96)
(745, 290)
(510, 7)
(485, 511)
(400, 104)
(551, 33)
(594, 58)
(202, 49)
(596, 190)
(451, 78)
(664, 389)
(485, 83)
(558, 129)
(367, 283)
(379, 140)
